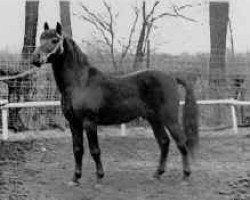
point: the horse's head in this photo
(51, 45)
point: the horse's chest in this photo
(87, 100)
(81, 105)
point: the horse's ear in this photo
(46, 26)
(59, 28)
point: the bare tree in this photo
(148, 20)
(106, 28)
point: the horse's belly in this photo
(120, 114)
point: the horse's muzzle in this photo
(36, 60)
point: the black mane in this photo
(75, 51)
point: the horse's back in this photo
(153, 82)
(151, 77)
(156, 89)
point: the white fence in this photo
(5, 106)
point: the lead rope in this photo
(21, 75)
(34, 70)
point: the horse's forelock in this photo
(48, 34)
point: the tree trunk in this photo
(139, 55)
(148, 54)
(217, 67)
(20, 89)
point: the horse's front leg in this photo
(95, 151)
(78, 150)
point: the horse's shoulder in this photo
(89, 98)
(95, 77)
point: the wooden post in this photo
(234, 119)
(218, 31)
(217, 67)
(123, 130)
(65, 13)
(5, 123)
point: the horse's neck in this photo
(71, 68)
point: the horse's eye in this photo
(54, 41)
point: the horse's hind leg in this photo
(163, 141)
(180, 139)
(95, 150)
(78, 150)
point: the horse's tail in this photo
(190, 117)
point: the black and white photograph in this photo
(124, 100)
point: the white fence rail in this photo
(5, 106)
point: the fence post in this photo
(5, 123)
(123, 129)
(234, 118)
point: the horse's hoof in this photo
(100, 175)
(99, 181)
(157, 176)
(185, 178)
(73, 183)
(186, 175)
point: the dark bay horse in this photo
(91, 98)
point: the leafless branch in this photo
(102, 31)
(144, 11)
(111, 31)
(176, 11)
(162, 15)
(132, 31)
(105, 28)
(152, 10)
(187, 6)
(111, 19)
(150, 25)
(176, 14)
(92, 15)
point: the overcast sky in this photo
(171, 36)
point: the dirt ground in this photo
(39, 169)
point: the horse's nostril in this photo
(35, 60)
